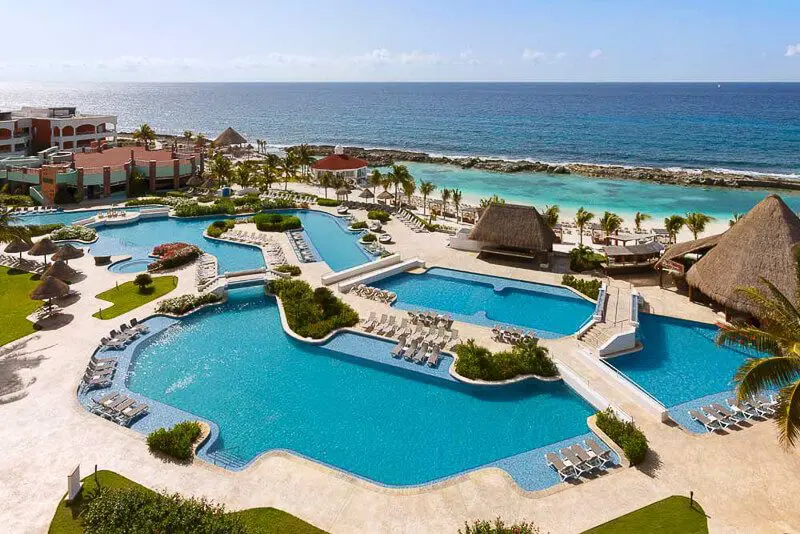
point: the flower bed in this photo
(172, 255)
(70, 233)
(186, 303)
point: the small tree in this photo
(143, 281)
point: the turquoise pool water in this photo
(486, 300)
(680, 361)
(64, 217)
(329, 236)
(234, 365)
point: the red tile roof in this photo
(339, 162)
(118, 156)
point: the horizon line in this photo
(367, 82)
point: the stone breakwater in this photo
(376, 157)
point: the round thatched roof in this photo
(343, 191)
(230, 137)
(760, 245)
(61, 270)
(513, 226)
(680, 250)
(50, 288)
(43, 247)
(366, 193)
(385, 195)
(18, 245)
(68, 252)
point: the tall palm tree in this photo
(409, 187)
(610, 223)
(426, 188)
(639, 218)
(221, 169)
(445, 199)
(734, 219)
(243, 175)
(673, 225)
(398, 175)
(582, 218)
(304, 159)
(375, 179)
(551, 215)
(187, 134)
(778, 336)
(456, 196)
(200, 140)
(266, 175)
(10, 231)
(696, 222)
(326, 180)
(288, 168)
(145, 134)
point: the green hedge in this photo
(378, 215)
(219, 207)
(583, 258)
(16, 200)
(276, 222)
(369, 238)
(217, 228)
(525, 358)
(175, 442)
(590, 288)
(359, 225)
(625, 434)
(68, 233)
(43, 229)
(312, 313)
(185, 303)
(293, 270)
(328, 202)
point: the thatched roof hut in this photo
(50, 288)
(513, 227)
(62, 271)
(385, 195)
(230, 137)
(18, 245)
(679, 250)
(760, 245)
(43, 247)
(366, 193)
(68, 252)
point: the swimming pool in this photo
(63, 217)
(486, 300)
(330, 238)
(234, 365)
(680, 361)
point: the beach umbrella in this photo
(50, 288)
(386, 195)
(62, 271)
(18, 245)
(68, 252)
(230, 137)
(366, 193)
(342, 192)
(43, 247)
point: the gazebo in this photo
(18, 245)
(62, 271)
(513, 230)
(50, 288)
(760, 246)
(366, 194)
(385, 195)
(347, 168)
(43, 247)
(68, 252)
(230, 137)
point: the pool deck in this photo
(744, 480)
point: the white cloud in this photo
(466, 57)
(534, 56)
(793, 50)
(273, 59)
(559, 56)
(417, 57)
(595, 54)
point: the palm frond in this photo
(787, 414)
(749, 336)
(758, 374)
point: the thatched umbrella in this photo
(513, 226)
(50, 288)
(342, 192)
(43, 247)
(68, 252)
(385, 195)
(62, 271)
(366, 193)
(230, 137)
(18, 245)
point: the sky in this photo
(411, 40)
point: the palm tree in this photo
(409, 187)
(375, 179)
(735, 219)
(582, 218)
(639, 218)
(610, 223)
(426, 188)
(288, 167)
(456, 195)
(145, 134)
(398, 176)
(243, 175)
(673, 225)
(220, 168)
(200, 139)
(445, 198)
(778, 336)
(304, 159)
(10, 231)
(696, 222)
(266, 175)
(187, 134)
(326, 180)
(494, 199)
(551, 215)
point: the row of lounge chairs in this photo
(411, 221)
(207, 270)
(416, 350)
(715, 416)
(511, 335)
(126, 334)
(289, 195)
(431, 319)
(375, 248)
(34, 209)
(576, 460)
(99, 373)
(374, 293)
(119, 408)
(254, 238)
(111, 214)
(23, 264)
(304, 252)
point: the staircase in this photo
(616, 319)
(226, 460)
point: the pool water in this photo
(64, 217)
(680, 361)
(486, 300)
(336, 246)
(234, 365)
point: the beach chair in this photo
(711, 413)
(379, 325)
(370, 322)
(107, 343)
(404, 329)
(388, 327)
(128, 415)
(603, 454)
(144, 329)
(421, 353)
(410, 350)
(565, 472)
(580, 466)
(99, 367)
(583, 455)
(433, 359)
(401, 343)
(725, 413)
(764, 405)
(453, 336)
(97, 382)
(710, 424)
(743, 409)
(126, 330)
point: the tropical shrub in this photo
(498, 527)
(16, 200)
(276, 222)
(293, 270)
(378, 215)
(583, 258)
(312, 313)
(277, 204)
(172, 255)
(217, 228)
(151, 200)
(137, 509)
(590, 288)
(525, 358)
(359, 225)
(328, 202)
(142, 281)
(186, 303)
(626, 434)
(43, 229)
(192, 209)
(246, 200)
(178, 194)
(369, 238)
(175, 442)
(69, 233)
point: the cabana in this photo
(230, 137)
(18, 245)
(631, 258)
(62, 271)
(43, 247)
(67, 252)
(514, 231)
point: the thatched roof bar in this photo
(513, 226)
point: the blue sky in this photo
(413, 40)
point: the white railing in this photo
(36, 195)
(635, 308)
(600, 306)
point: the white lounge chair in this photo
(565, 472)
(710, 424)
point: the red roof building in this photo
(351, 169)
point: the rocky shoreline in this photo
(382, 157)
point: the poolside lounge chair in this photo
(97, 381)
(421, 353)
(590, 460)
(410, 349)
(725, 413)
(710, 424)
(379, 325)
(711, 413)
(764, 405)
(388, 327)
(121, 406)
(453, 336)
(603, 454)
(579, 465)
(95, 359)
(107, 343)
(135, 325)
(125, 329)
(564, 471)
(100, 366)
(742, 408)
(127, 415)
(433, 359)
(404, 329)
(110, 397)
(399, 347)
(370, 322)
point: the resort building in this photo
(350, 169)
(760, 246)
(32, 129)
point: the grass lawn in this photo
(673, 514)
(127, 297)
(260, 520)
(15, 304)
